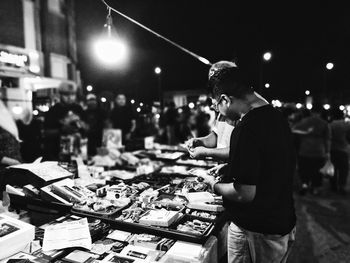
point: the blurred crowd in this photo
(69, 123)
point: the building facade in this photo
(37, 53)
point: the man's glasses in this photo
(215, 103)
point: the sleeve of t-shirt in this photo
(247, 159)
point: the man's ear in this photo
(226, 98)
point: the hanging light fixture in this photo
(110, 49)
(200, 58)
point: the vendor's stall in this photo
(148, 206)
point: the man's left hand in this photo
(197, 152)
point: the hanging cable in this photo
(200, 58)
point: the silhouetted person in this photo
(314, 149)
(339, 151)
(123, 118)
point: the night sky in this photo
(302, 38)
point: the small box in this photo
(15, 235)
(65, 192)
(161, 217)
(206, 206)
(79, 256)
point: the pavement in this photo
(323, 227)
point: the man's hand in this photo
(217, 169)
(198, 152)
(208, 179)
(192, 143)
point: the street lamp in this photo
(329, 65)
(267, 85)
(158, 71)
(326, 106)
(89, 88)
(266, 57)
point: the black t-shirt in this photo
(262, 154)
(121, 118)
(59, 111)
(95, 118)
(53, 120)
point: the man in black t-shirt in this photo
(257, 186)
(95, 118)
(63, 119)
(123, 118)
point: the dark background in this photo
(302, 36)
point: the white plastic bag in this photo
(327, 169)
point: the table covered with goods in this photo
(141, 206)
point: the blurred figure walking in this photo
(339, 151)
(314, 149)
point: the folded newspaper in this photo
(47, 171)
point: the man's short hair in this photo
(217, 66)
(231, 81)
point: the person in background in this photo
(95, 119)
(63, 119)
(170, 121)
(122, 117)
(314, 149)
(9, 138)
(9, 147)
(257, 188)
(202, 122)
(185, 127)
(339, 151)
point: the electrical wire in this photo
(200, 58)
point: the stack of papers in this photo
(67, 234)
